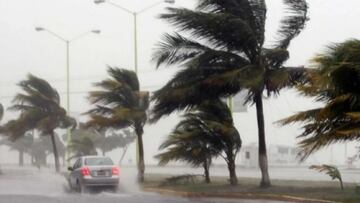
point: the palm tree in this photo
(186, 145)
(121, 104)
(207, 131)
(336, 83)
(332, 171)
(40, 109)
(226, 55)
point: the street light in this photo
(67, 42)
(135, 15)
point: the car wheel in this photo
(115, 189)
(81, 188)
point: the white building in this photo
(278, 155)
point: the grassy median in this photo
(323, 190)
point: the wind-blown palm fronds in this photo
(335, 82)
(332, 171)
(119, 104)
(39, 107)
(206, 132)
(226, 55)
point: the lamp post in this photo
(67, 43)
(135, 15)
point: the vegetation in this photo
(248, 189)
(206, 132)
(40, 109)
(121, 104)
(22, 145)
(336, 83)
(226, 55)
(1, 111)
(183, 145)
(332, 171)
(86, 141)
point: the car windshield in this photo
(98, 161)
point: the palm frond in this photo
(176, 49)
(293, 24)
(236, 33)
(124, 76)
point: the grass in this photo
(324, 190)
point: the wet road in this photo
(33, 186)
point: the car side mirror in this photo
(70, 168)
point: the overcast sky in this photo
(23, 51)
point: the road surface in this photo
(44, 186)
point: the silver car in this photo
(93, 171)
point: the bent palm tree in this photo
(40, 109)
(186, 145)
(332, 171)
(121, 104)
(336, 82)
(206, 132)
(225, 55)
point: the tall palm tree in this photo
(120, 104)
(208, 131)
(336, 82)
(39, 107)
(225, 55)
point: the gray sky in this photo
(23, 50)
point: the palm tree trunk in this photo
(232, 171)
(141, 164)
(56, 154)
(206, 166)
(21, 158)
(263, 161)
(341, 185)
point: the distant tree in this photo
(224, 54)
(85, 141)
(22, 145)
(332, 171)
(335, 82)
(120, 104)
(82, 146)
(40, 109)
(207, 131)
(108, 140)
(1, 111)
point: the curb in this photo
(249, 196)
